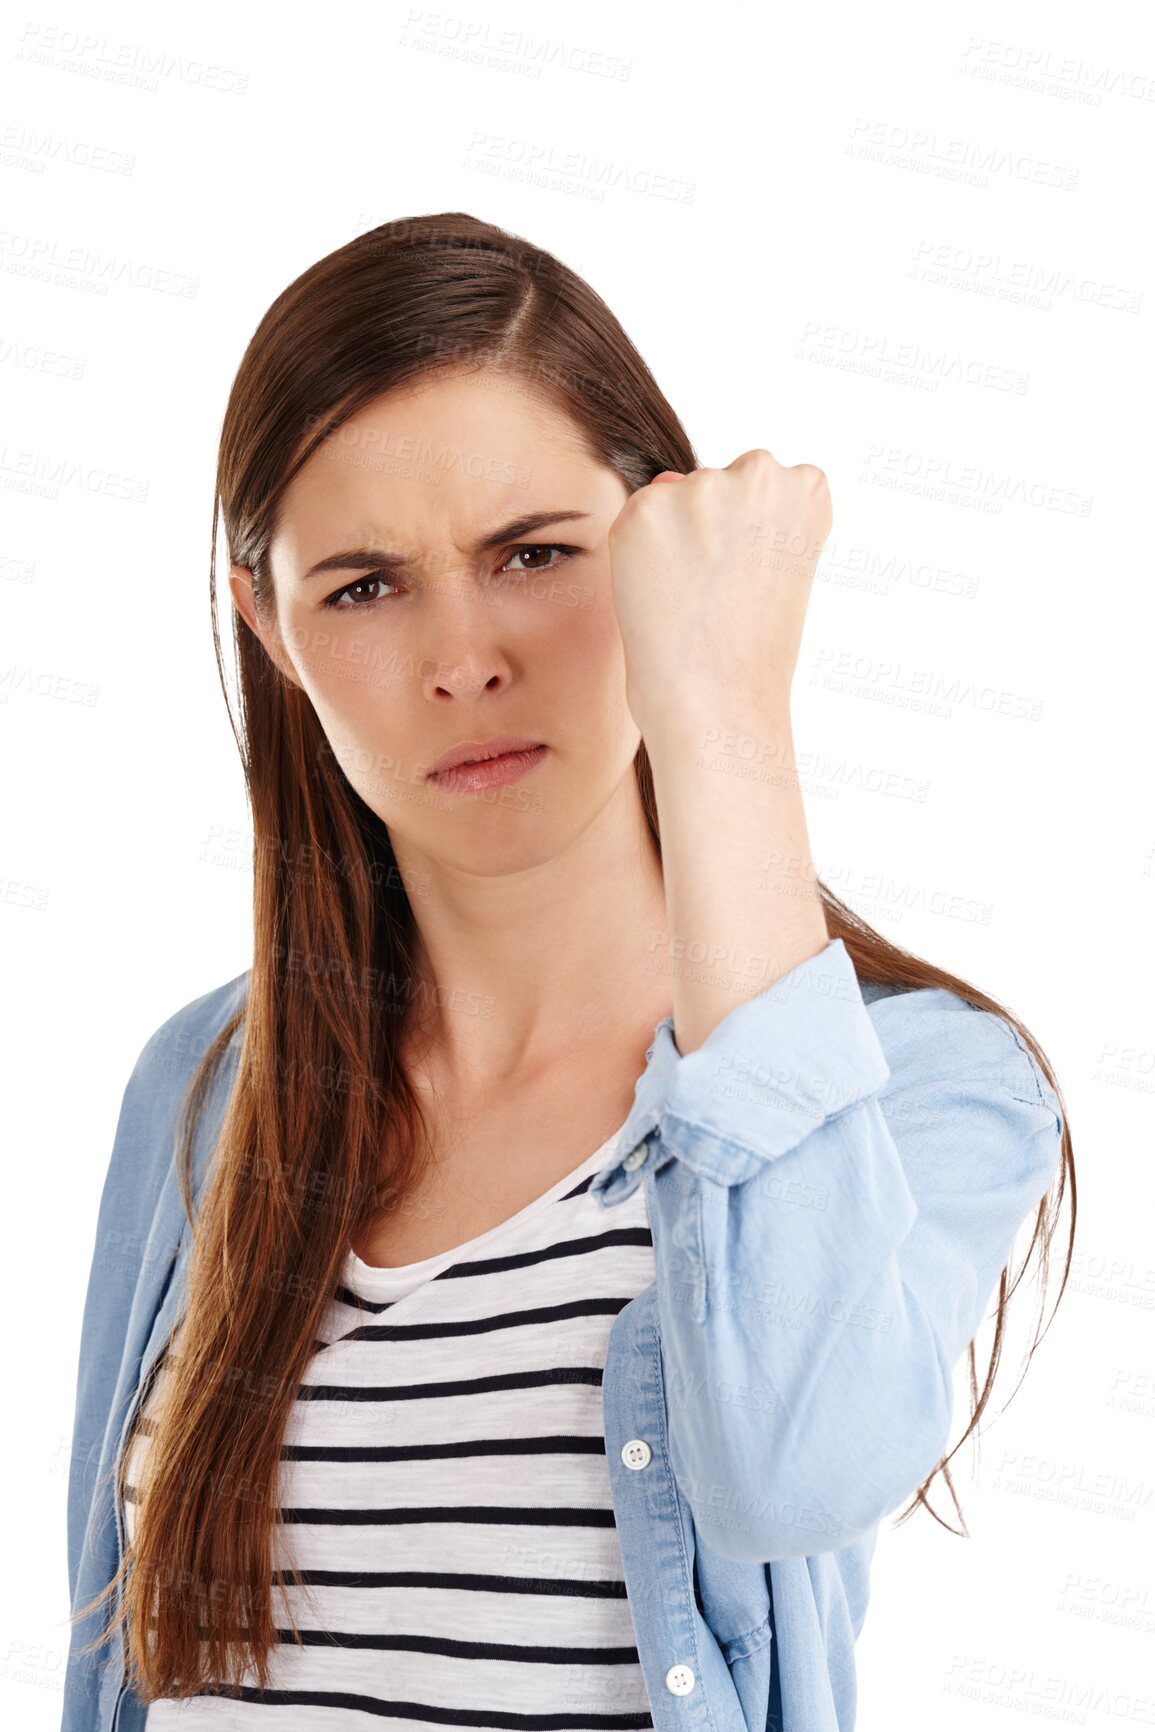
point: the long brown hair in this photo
(323, 1127)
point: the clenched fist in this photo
(711, 577)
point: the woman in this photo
(396, 1402)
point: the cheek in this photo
(586, 686)
(372, 756)
(345, 664)
(589, 621)
(308, 643)
(357, 686)
(319, 646)
(603, 651)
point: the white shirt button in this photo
(680, 1680)
(635, 1158)
(637, 1453)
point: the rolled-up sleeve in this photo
(834, 1189)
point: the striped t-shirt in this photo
(445, 1485)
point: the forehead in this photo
(439, 460)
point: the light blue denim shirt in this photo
(836, 1178)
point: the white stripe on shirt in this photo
(446, 1492)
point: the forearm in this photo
(742, 899)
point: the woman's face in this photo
(457, 641)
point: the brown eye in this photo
(541, 547)
(359, 584)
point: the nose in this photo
(464, 681)
(466, 655)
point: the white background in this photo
(885, 223)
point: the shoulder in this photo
(159, 1082)
(175, 1048)
(138, 1206)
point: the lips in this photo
(480, 751)
(485, 774)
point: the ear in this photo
(241, 585)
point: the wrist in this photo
(689, 734)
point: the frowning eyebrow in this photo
(363, 558)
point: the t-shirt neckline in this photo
(377, 1280)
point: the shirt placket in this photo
(686, 1679)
